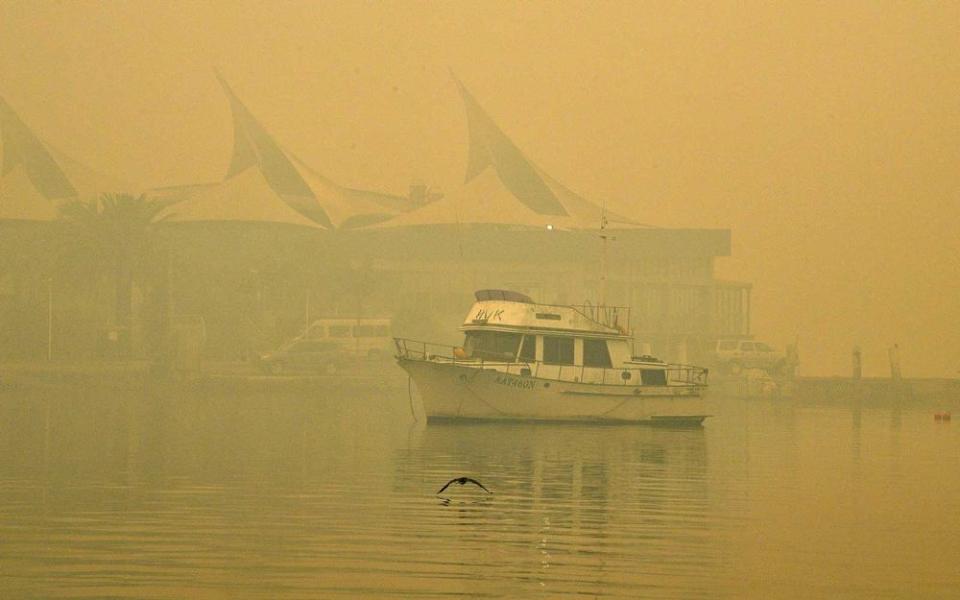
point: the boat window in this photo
(339, 331)
(748, 346)
(763, 347)
(492, 345)
(727, 345)
(557, 350)
(595, 354)
(653, 377)
(528, 350)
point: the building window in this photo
(595, 354)
(371, 331)
(528, 350)
(557, 350)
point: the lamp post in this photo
(49, 319)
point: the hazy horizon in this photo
(826, 138)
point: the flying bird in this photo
(462, 481)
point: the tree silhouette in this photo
(115, 234)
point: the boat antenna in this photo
(603, 253)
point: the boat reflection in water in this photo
(522, 360)
(576, 508)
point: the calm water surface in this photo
(329, 494)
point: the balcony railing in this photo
(675, 374)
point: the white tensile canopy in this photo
(266, 183)
(35, 179)
(503, 187)
(245, 197)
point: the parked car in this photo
(360, 337)
(732, 356)
(319, 356)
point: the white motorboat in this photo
(523, 360)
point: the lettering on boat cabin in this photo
(485, 315)
(523, 384)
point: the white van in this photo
(359, 337)
(735, 355)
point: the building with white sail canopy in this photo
(251, 254)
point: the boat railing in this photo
(423, 350)
(688, 374)
(615, 317)
(675, 374)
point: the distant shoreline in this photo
(236, 376)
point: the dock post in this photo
(894, 354)
(857, 363)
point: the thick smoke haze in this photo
(827, 138)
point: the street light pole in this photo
(49, 319)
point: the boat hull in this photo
(451, 391)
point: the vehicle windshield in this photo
(492, 345)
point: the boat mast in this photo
(603, 254)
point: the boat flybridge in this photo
(523, 360)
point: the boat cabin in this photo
(585, 343)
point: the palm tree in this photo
(115, 233)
